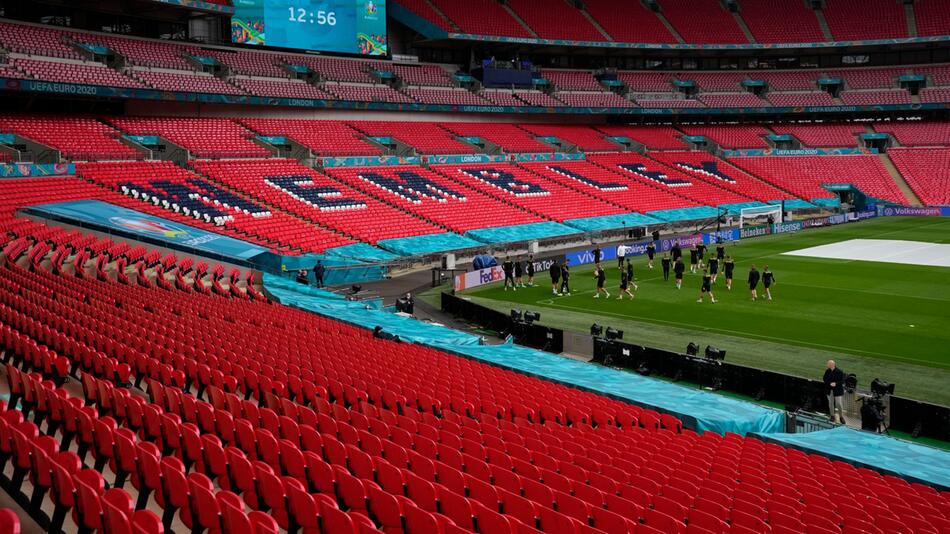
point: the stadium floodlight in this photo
(596, 330)
(530, 317)
(516, 315)
(692, 349)
(715, 354)
(881, 388)
(613, 333)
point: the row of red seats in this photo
(77, 138)
(754, 486)
(927, 172)
(203, 138)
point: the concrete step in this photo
(445, 17)
(911, 20)
(595, 24)
(523, 23)
(823, 23)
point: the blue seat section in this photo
(362, 252)
(697, 409)
(737, 208)
(684, 214)
(830, 202)
(884, 453)
(794, 204)
(427, 244)
(521, 232)
(609, 222)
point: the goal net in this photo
(760, 215)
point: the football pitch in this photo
(884, 317)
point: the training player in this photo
(630, 274)
(720, 252)
(730, 266)
(621, 253)
(665, 262)
(601, 277)
(754, 277)
(768, 279)
(676, 251)
(706, 288)
(625, 281)
(651, 251)
(519, 273)
(555, 272)
(678, 270)
(529, 268)
(701, 253)
(509, 269)
(565, 279)
(714, 268)
(693, 259)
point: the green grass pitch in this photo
(883, 320)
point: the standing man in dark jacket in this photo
(754, 278)
(319, 271)
(508, 267)
(529, 270)
(665, 262)
(676, 252)
(834, 384)
(565, 280)
(555, 272)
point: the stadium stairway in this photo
(899, 180)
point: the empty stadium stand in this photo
(165, 80)
(529, 190)
(860, 19)
(323, 137)
(583, 137)
(436, 197)
(931, 17)
(615, 18)
(805, 175)
(703, 166)
(80, 72)
(508, 136)
(781, 22)
(917, 133)
(425, 137)
(166, 190)
(702, 21)
(481, 17)
(556, 20)
(203, 138)
(652, 137)
(927, 172)
(77, 138)
(731, 135)
(800, 98)
(306, 193)
(822, 135)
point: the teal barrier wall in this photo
(684, 214)
(610, 222)
(427, 244)
(521, 232)
(362, 252)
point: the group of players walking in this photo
(671, 261)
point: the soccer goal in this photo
(760, 215)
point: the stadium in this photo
(491, 266)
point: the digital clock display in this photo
(347, 26)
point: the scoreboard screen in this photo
(346, 26)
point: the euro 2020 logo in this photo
(149, 227)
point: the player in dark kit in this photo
(754, 277)
(729, 266)
(714, 268)
(706, 288)
(701, 253)
(720, 252)
(565, 279)
(678, 269)
(625, 284)
(768, 279)
(665, 262)
(601, 277)
(519, 281)
(651, 251)
(693, 259)
(508, 267)
(529, 270)
(630, 275)
(676, 252)
(597, 255)
(555, 271)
